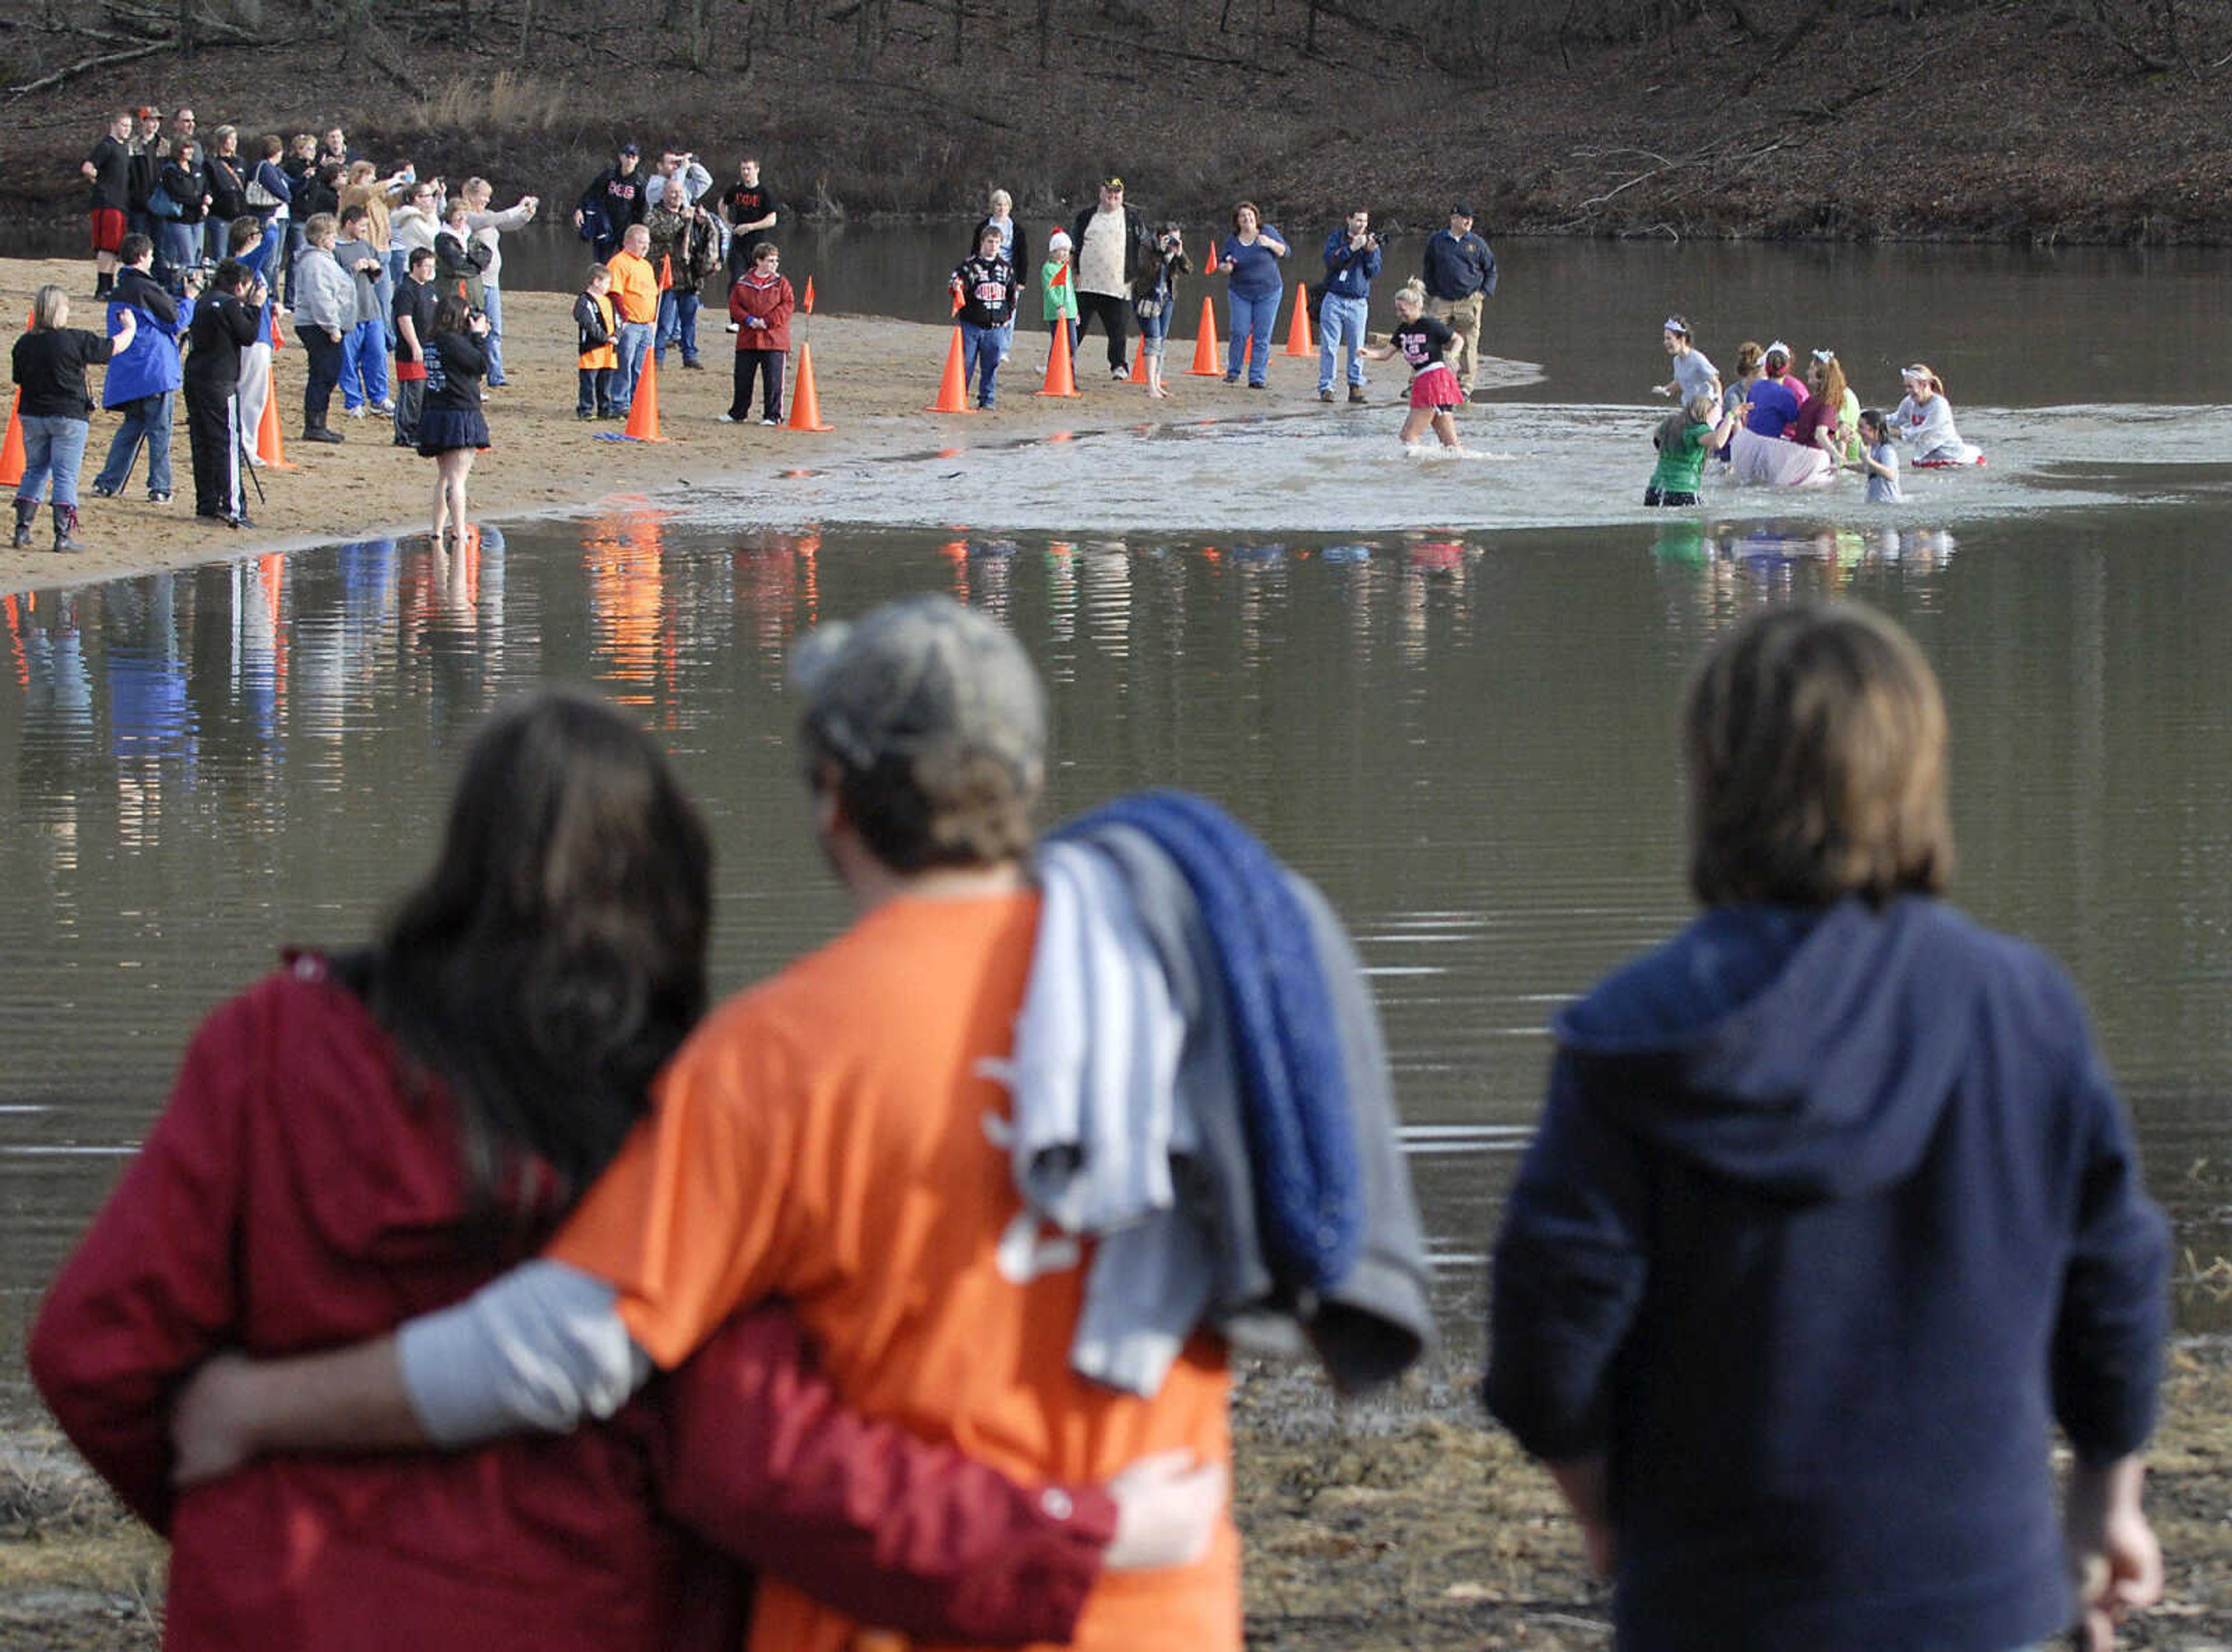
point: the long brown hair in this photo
(1817, 745)
(555, 957)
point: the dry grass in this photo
(504, 105)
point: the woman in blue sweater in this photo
(1833, 1215)
(1251, 253)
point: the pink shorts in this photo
(1436, 387)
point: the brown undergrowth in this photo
(1406, 1522)
(2026, 120)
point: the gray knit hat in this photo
(922, 675)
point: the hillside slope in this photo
(2072, 120)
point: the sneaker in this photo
(584, 414)
(730, 418)
(356, 413)
(1325, 395)
(1119, 375)
(1232, 378)
(159, 499)
(730, 328)
(386, 410)
(1355, 394)
(694, 364)
(241, 520)
(100, 492)
(1257, 384)
(984, 407)
(772, 423)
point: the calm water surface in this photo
(1459, 716)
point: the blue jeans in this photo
(286, 261)
(492, 302)
(174, 247)
(677, 319)
(216, 231)
(981, 347)
(1341, 322)
(634, 344)
(148, 419)
(52, 450)
(1155, 330)
(275, 234)
(1251, 318)
(364, 366)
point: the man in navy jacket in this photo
(1459, 272)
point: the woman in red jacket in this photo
(361, 1138)
(761, 305)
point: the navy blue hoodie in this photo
(1831, 1216)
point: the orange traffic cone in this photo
(806, 304)
(1059, 380)
(269, 447)
(11, 454)
(1206, 364)
(805, 406)
(1139, 364)
(643, 410)
(953, 389)
(1298, 335)
(271, 326)
(1210, 268)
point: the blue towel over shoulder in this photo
(1301, 1135)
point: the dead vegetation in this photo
(1404, 1523)
(2037, 120)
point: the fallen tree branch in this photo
(86, 66)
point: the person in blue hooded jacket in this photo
(142, 378)
(1833, 1215)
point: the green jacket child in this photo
(1057, 298)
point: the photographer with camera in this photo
(224, 324)
(1352, 263)
(1155, 298)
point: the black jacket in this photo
(222, 327)
(1135, 238)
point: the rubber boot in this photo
(66, 528)
(26, 510)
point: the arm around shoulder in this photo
(150, 1292)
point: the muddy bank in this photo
(1405, 1523)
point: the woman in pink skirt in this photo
(1424, 342)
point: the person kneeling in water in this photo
(1683, 439)
(1924, 422)
(1424, 342)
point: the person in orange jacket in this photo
(635, 298)
(761, 304)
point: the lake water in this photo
(1447, 691)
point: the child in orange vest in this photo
(593, 322)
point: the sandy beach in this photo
(876, 381)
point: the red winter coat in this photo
(300, 1192)
(771, 302)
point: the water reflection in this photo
(1467, 738)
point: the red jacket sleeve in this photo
(150, 1292)
(762, 1460)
